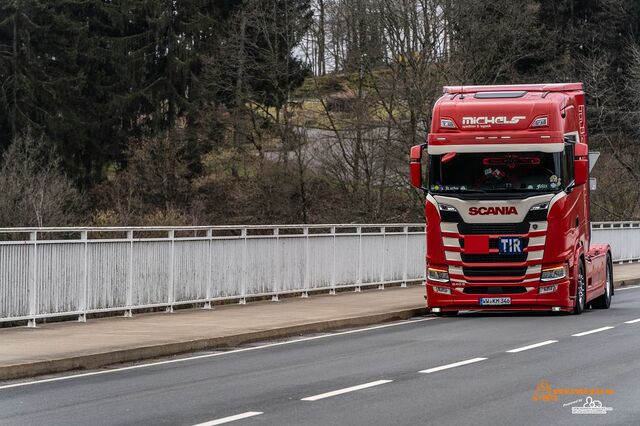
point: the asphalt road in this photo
(398, 374)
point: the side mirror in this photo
(581, 171)
(581, 165)
(581, 150)
(415, 165)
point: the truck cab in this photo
(505, 171)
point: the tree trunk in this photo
(321, 39)
(239, 99)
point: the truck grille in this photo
(493, 258)
(494, 272)
(495, 289)
(493, 244)
(493, 228)
(481, 268)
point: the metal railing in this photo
(49, 272)
(623, 237)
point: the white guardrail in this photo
(623, 237)
(50, 272)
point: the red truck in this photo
(507, 202)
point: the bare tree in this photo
(35, 192)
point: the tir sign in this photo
(510, 245)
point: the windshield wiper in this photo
(480, 191)
(462, 191)
(520, 190)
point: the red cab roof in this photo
(488, 119)
(551, 87)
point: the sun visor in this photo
(480, 148)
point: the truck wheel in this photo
(604, 301)
(581, 291)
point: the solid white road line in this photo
(535, 345)
(346, 390)
(627, 288)
(584, 333)
(235, 351)
(455, 364)
(632, 321)
(230, 418)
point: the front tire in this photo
(581, 290)
(604, 301)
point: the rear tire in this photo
(581, 290)
(604, 301)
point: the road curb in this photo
(626, 283)
(91, 361)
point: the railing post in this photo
(406, 256)
(245, 276)
(306, 278)
(424, 263)
(33, 236)
(276, 265)
(333, 264)
(209, 279)
(128, 313)
(170, 295)
(383, 230)
(359, 277)
(83, 297)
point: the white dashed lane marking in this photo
(346, 390)
(535, 345)
(597, 330)
(230, 418)
(455, 364)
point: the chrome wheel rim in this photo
(581, 288)
(608, 284)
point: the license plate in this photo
(510, 245)
(494, 301)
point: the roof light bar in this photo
(540, 121)
(447, 123)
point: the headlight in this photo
(446, 208)
(547, 289)
(443, 290)
(555, 273)
(439, 275)
(541, 206)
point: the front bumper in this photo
(531, 300)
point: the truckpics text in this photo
(507, 202)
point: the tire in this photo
(604, 301)
(581, 290)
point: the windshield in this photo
(496, 172)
